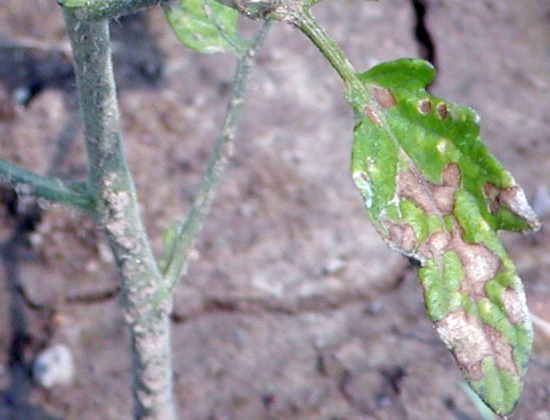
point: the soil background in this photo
(292, 308)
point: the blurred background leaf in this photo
(205, 26)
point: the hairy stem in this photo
(53, 189)
(309, 26)
(107, 9)
(145, 298)
(265, 9)
(357, 92)
(188, 230)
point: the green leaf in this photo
(169, 239)
(205, 26)
(435, 193)
(72, 3)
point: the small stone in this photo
(54, 367)
(373, 308)
(21, 95)
(334, 266)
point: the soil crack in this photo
(421, 32)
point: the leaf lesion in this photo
(471, 341)
(442, 205)
(510, 202)
(434, 199)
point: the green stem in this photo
(253, 9)
(145, 299)
(106, 9)
(297, 13)
(358, 94)
(187, 231)
(53, 189)
(309, 26)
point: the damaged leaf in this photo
(435, 193)
(205, 26)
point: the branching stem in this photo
(297, 13)
(356, 91)
(187, 231)
(86, 10)
(52, 189)
(146, 300)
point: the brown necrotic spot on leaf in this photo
(383, 97)
(492, 194)
(441, 110)
(444, 197)
(435, 199)
(465, 337)
(502, 350)
(400, 236)
(451, 175)
(414, 188)
(471, 341)
(479, 264)
(444, 193)
(514, 307)
(435, 245)
(512, 198)
(424, 106)
(371, 114)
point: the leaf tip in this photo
(413, 72)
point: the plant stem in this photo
(297, 13)
(309, 26)
(253, 9)
(188, 230)
(326, 45)
(358, 94)
(146, 300)
(107, 9)
(53, 189)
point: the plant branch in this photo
(53, 189)
(297, 13)
(358, 94)
(187, 231)
(266, 9)
(145, 299)
(107, 9)
(326, 45)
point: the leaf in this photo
(435, 193)
(205, 26)
(169, 239)
(484, 412)
(72, 3)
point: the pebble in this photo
(54, 366)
